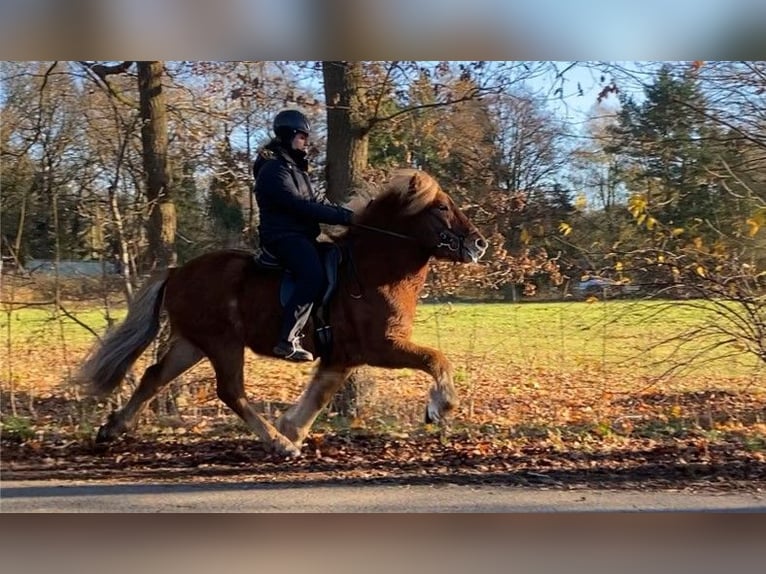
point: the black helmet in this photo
(288, 122)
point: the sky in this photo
(570, 104)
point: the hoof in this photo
(288, 450)
(104, 436)
(432, 416)
(293, 452)
(110, 430)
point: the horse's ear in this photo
(417, 183)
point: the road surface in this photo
(74, 497)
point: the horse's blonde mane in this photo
(415, 193)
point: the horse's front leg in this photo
(297, 420)
(405, 354)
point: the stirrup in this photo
(293, 352)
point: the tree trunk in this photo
(154, 140)
(20, 232)
(123, 253)
(161, 230)
(347, 128)
(347, 148)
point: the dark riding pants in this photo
(301, 256)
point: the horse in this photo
(222, 302)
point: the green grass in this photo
(16, 428)
(36, 324)
(616, 336)
(611, 336)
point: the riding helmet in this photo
(289, 122)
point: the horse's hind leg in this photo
(296, 422)
(229, 372)
(180, 356)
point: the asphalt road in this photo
(73, 497)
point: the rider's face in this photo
(300, 141)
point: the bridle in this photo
(450, 240)
(447, 238)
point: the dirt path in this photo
(253, 497)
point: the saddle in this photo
(332, 256)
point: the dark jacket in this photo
(286, 200)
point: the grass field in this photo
(530, 368)
(617, 337)
(613, 335)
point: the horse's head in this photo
(429, 216)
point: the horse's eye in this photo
(442, 207)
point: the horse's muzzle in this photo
(474, 248)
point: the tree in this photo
(154, 138)
(44, 175)
(225, 208)
(348, 127)
(667, 151)
(364, 99)
(156, 181)
(688, 154)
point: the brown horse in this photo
(219, 303)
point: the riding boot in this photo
(289, 346)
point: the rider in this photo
(290, 213)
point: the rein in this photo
(351, 259)
(383, 231)
(447, 238)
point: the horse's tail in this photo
(109, 361)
